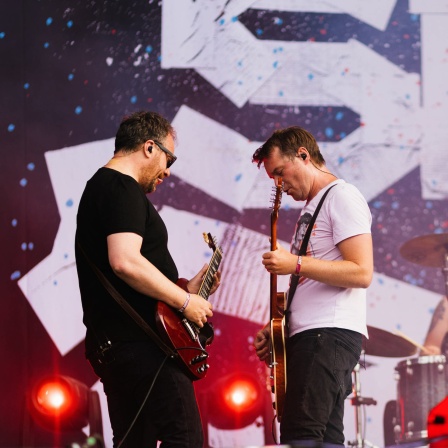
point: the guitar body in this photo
(183, 336)
(176, 332)
(278, 364)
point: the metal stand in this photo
(445, 270)
(358, 401)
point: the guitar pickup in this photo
(199, 358)
(191, 329)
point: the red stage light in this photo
(240, 394)
(234, 401)
(53, 398)
(438, 424)
(61, 402)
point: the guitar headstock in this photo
(277, 195)
(210, 240)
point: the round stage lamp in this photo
(60, 402)
(235, 401)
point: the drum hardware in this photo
(358, 400)
(428, 250)
(388, 345)
(421, 385)
(425, 442)
(380, 343)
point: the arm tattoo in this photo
(438, 314)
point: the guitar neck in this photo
(273, 277)
(207, 282)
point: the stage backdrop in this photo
(369, 79)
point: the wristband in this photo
(298, 265)
(184, 306)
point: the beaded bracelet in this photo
(184, 306)
(298, 265)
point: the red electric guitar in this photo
(278, 352)
(184, 336)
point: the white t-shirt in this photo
(344, 214)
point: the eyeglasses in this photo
(170, 157)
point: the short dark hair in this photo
(137, 128)
(289, 140)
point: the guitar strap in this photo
(302, 251)
(127, 307)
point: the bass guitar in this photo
(277, 349)
(185, 337)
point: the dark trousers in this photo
(170, 414)
(319, 378)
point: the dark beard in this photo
(150, 187)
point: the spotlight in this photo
(437, 424)
(235, 401)
(63, 403)
(240, 394)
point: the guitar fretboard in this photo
(207, 283)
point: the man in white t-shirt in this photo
(327, 311)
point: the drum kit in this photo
(422, 382)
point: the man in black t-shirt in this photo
(124, 236)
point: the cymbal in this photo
(388, 345)
(427, 250)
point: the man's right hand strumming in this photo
(261, 344)
(198, 310)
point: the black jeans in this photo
(319, 378)
(170, 414)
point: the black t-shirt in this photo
(113, 202)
